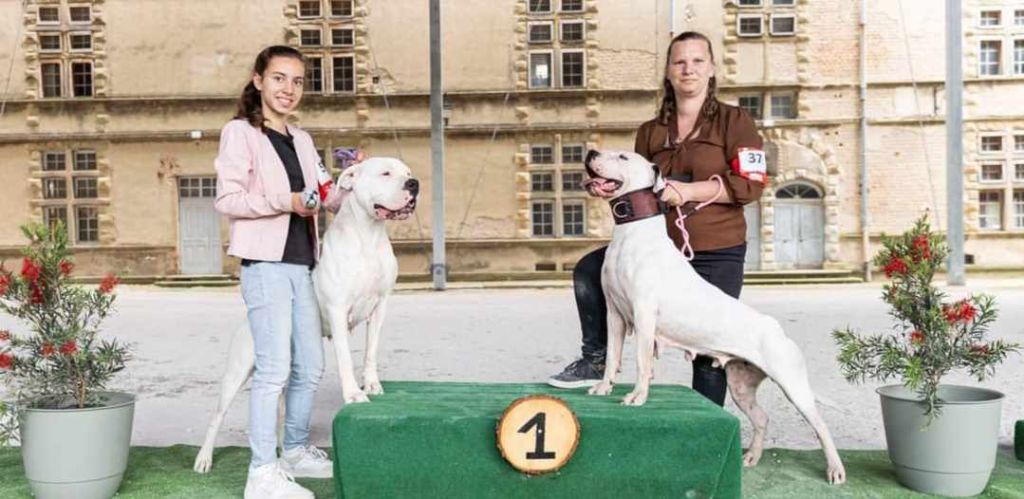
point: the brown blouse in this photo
(707, 152)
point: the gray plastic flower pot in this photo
(77, 453)
(953, 456)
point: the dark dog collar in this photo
(636, 205)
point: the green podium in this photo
(438, 440)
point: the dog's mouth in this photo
(384, 213)
(599, 185)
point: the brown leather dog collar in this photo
(636, 205)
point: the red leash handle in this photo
(687, 249)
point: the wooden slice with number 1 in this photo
(538, 434)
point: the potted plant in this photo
(942, 439)
(74, 435)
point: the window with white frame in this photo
(990, 210)
(750, 25)
(48, 15)
(343, 37)
(310, 37)
(752, 104)
(81, 79)
(72, 190)
(572, 218)
(51, 79)
(542, 154)
(1018, 143)
(543, 218)
(989, 54)
(1018, 172)
(539, 6)
(573, 72)
(783, 3)
(783, 106)
(783, 25)
(572, 6)
(1018, 209)
(540, 32)
(571, 31)
(990, 19)
(540, 69)
(314, 81)
(49, 42)
(80, 42)
(556, 178)
(80, 14)
(309, 8)
(341, 8)
(1018, 17)
(1018, 57)
(344, 68)
(991, 172)
(749, 3)
(991, 143)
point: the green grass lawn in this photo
(166, 472)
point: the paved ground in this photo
(507, 335)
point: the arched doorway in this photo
(799, 226)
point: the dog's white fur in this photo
(353, 280)
(652, 290)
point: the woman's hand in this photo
(299, 206)
(676, 193)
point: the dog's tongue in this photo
(599, 184)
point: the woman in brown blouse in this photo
(693, 138)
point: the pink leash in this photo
(687, 249)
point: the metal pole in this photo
(437, 267)
(865, 220)
(954, 143)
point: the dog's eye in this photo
(622, 157)
(386, 174)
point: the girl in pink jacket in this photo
(263, 167)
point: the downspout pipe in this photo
(865, 221)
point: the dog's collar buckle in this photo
(636, 205)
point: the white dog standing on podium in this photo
(353, 279)
(652, 290)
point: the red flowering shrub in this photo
(60, 317)
(933, 336)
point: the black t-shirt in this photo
(299, 247)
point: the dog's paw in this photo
(601, 389)
(357, 397)
(373, 388)
(204, 461)
(635, 398)
(836, 475)
(751, 458)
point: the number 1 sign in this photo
(538, 434)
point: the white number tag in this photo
(750, 164)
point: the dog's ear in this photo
(659, 182)
(347, 179)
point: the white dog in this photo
(651, 289)
(355, 276)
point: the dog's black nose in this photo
(591, 154)
(413, 186)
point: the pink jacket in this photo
(253, 190)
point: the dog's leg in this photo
(371, 381)
(350, 390)
(792, 378)
(613, 355)
(644, 317)
(241, 358)
(744, 379)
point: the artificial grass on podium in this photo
(166, 473)
(438, 440)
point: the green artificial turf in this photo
(166, 472)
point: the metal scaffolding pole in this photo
(438, 266)
(954, 143)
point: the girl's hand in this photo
(299, 206)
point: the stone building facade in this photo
(111, 111)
